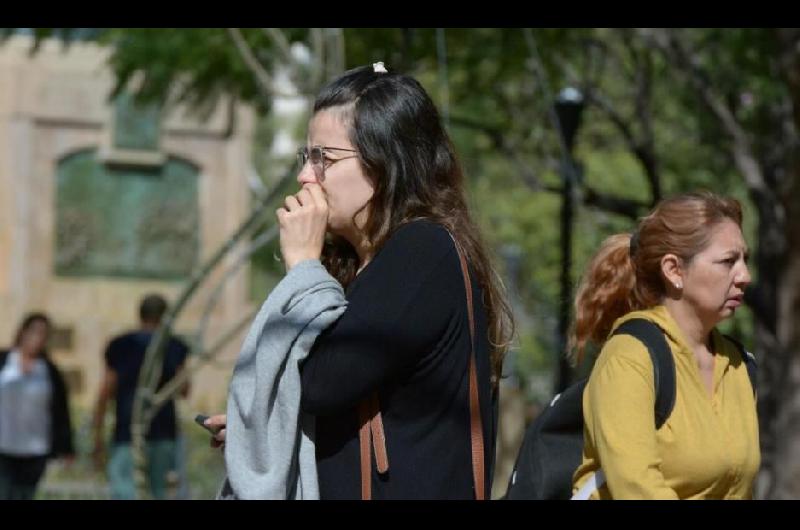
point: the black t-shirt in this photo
(405, 333)
(124, 355)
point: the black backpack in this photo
(552, 448)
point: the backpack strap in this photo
(664, 379)
(749, 362)
(652, 336)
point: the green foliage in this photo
(495, 86)
(194, 66)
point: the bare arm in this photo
(184, 391)
(108, 387)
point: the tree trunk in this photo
(781, 414)
(787, 422)
(763, 299)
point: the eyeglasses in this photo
(319, 162)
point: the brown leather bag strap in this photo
(476, 426)
(371, 424)
(378, 437)
(364, 441)
(371, 433)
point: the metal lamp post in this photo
(569, 107)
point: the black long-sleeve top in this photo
(405, 333)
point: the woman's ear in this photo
(673, 272)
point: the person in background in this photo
(35, 423)
(123, 361)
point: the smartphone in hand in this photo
(199, 419)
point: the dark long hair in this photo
(410, 160)
(29, 320)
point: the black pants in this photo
(19, 476)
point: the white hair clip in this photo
(378, 68)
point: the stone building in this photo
(102, 201)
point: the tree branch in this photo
(790, 59)
(619, 205)
(742, 150)
(281, 43)
(254, 182)
(263, 78)
(317, 56)
(629, 208)
(335, 52)
(645, 150)
(169, 390)
(307, 86)
(265, 238)
(501, 143)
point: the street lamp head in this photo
(569, 107)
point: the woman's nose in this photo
(306, 175)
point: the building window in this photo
(129, 221)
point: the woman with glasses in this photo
(382, 205)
